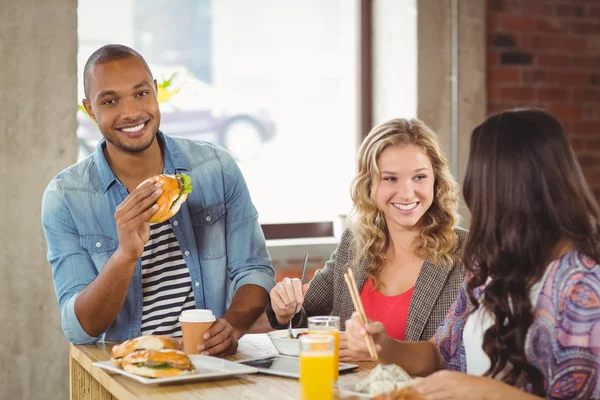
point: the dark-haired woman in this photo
(527, 322)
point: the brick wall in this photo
(546, 53)
(292, 268)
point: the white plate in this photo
(348, 389)
(285, 346)
(207, 368)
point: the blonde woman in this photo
(403, 243)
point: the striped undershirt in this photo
(166, 283)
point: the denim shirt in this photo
(217, 229)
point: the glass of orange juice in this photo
(316, 367)
(328, 325)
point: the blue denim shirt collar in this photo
(175, 160)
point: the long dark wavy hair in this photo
(527, 195)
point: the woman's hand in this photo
(451, 385)
(355, 335)
(347, 354)
(287, 298)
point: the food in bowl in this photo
(282, 342)
(296, 336)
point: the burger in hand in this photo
(158, 363)
(175, 191)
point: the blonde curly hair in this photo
(437, 238)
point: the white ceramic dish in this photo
(349, 390)
(285, 346)
(207, 368)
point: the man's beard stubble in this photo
(114, 140)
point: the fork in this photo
(290, 331)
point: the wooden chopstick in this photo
(354, 293)
(361, 309)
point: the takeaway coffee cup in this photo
(193, 325)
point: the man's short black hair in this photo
(106, 54)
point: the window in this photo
(273, 81)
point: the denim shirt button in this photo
(187, 253)
(175, 223)
(197, 284)
(208, 218)
(98, 244)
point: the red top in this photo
(391, 311)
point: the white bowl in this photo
(284, 345)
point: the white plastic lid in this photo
(197, 316)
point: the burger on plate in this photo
(149, 342)
(175, 191)
(158, 363)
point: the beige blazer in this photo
(435, 290)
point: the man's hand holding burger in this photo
(154, 200)
(132, 217)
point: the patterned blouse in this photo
(564, 340)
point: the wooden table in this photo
(90, 382)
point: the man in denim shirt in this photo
(94, 217)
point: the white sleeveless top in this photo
(477, 323)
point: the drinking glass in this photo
(316, 367)
(328, 325)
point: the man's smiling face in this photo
(122, 100)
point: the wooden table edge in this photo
(104, 378)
